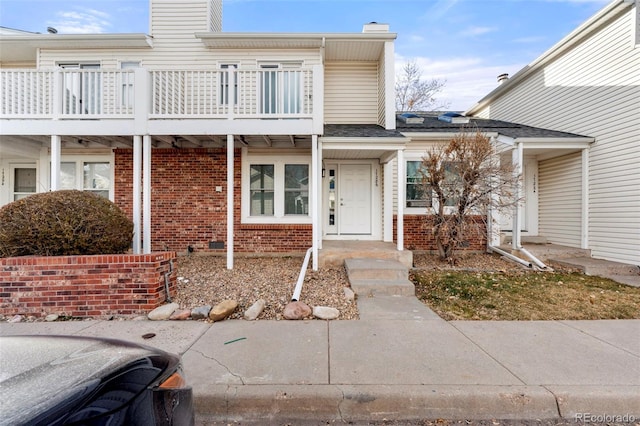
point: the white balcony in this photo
(157, 95)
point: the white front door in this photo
(354, 204)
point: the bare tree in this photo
(465, 179)
(415, 94)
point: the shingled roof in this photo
(432, 124)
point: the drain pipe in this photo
(534, 259)
(303, 271)
(510, 256)
(166, 282)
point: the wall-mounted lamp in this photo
(323, 172)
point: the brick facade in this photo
(186, 209)
(418, 235)
(85, 286)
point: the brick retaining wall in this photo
(85, 286)
(418, 233)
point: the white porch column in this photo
(137, 200)
(56, 146)
(230, 217)
(315, 201)
(388, 202)
(584, 238)
(320, 196)
(146, 194)
(401, 201)
(517, 218)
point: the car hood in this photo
(39, 372)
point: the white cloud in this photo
(476, 31)
(468, 79)
(81, 21)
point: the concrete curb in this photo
(352, 403)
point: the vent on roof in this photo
(411, 118)
(453, 117)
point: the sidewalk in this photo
(399, 361)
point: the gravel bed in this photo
(204, 280)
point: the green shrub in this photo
(62, 223)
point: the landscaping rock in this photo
(325, 312)
(180, 314)
(255, 310)
(162, 312)
(16, 318)
(349, 294)
(201, 312)
(51, 317)
(222, 310)
(296, 311)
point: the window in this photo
(275, 189)
(94, 176)
(127, 93)
(296, 189)
(281, 91)
(262, 189)
(82, 86)
(97, 178)
(24, 182)
(225, 96)
(415, 196)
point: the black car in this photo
(63, 380)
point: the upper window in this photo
(127, 93)
(82, 86)
(275, 189)
(225, 95)
(281, 88)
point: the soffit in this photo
(21, 48)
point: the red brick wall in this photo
(85, 286)
(418, 234)
(186, 209)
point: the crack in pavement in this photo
(221, 365)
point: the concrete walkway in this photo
(399, 361)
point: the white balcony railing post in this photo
(317, 100)
(141, 100)
(232, 92)
(57, 96)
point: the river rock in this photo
(201, 312)
(16, 318)
(222, 310)
(162, 312)
(180, 314)
(51, 318)
(349, 294)
(325, 312)
(255, 310)
(296, 311)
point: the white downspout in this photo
(230, 217)
(315, 184)
(56, 142)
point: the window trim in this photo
(279, 162)
(80, 161)
(434, 202)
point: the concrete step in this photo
(360, 269)
(371, 288)
(394, 308)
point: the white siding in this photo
(381, 94)
(560, 199)
(351, 93)
(594, 90)
(215, 15)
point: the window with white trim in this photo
(95, 175)
(225, 95)
(415, 196)
(275, 189)
(127, 94)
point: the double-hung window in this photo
(275, 189)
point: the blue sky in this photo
(465, 42)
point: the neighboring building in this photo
(589, 84)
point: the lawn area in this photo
(525, 295)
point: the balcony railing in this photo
(166, 94)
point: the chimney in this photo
(502, 78)
(374, 27)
